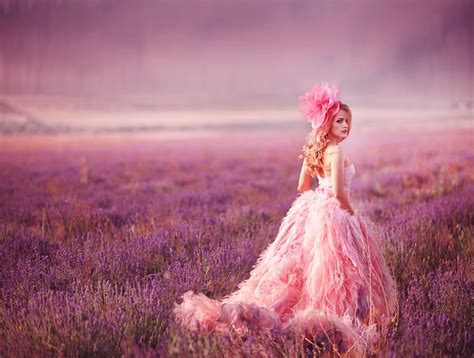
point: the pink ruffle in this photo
(323, 273)
(315, 104)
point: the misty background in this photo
(131, 65)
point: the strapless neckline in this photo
(345, 167)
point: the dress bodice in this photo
(349, 172)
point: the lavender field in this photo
(99, 239)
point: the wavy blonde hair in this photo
(317, 141)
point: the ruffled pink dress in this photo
(323, 275)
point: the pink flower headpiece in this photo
(317, 102)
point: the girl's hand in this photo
(351, 213)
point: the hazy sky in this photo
(238, 53)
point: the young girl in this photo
(324, 274)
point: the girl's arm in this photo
(304, 182)
(337, 174)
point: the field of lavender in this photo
(98, 240)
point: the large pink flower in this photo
(315, 103)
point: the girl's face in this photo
(340, 125)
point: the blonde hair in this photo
(317, 141)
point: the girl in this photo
(324, 274)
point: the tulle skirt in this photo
(323, 276)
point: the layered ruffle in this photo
(323, 275)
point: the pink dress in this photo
(323, 275)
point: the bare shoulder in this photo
(332, 149)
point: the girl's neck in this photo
(334, 141)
